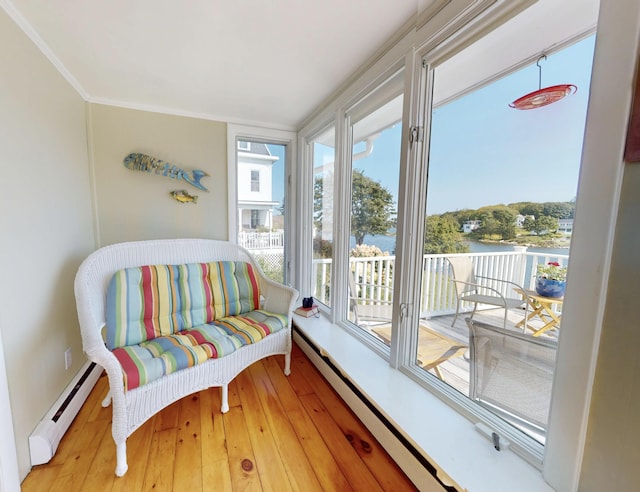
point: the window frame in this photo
(560, 459)
(288, 139)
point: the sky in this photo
(483, 152)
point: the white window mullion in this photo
(411, 215)
(341, 224)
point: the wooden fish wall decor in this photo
(142, 162)
(183, 196)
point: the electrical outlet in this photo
(67, 358)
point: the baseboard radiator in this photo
(44, 440)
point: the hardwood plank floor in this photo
(281, 433)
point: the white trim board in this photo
(9, 474)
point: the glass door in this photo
(261, 204)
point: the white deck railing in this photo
(372, 277)
(261, 240)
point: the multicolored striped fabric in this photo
(147, 302)
(150, 360)
(253, 326)
(235, 288)
(163, 318)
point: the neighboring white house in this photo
(521, 218)
(470, 226)
(565, 225)
(255, 186)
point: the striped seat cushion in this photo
(253, 326)
(152, 359)
(151, 301)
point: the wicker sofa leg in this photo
(287, 363)
(225, 398)
(121, 459)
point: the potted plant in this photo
(551, 279)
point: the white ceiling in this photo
(269, 62)
(257, 61)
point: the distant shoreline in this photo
(552, 243)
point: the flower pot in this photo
(550, 288)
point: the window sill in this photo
(445, 438)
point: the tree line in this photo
(373, 212)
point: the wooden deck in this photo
(281, 433)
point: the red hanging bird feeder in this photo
(543, 97)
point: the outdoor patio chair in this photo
(480, 290)
(368, 312)
(512, 374)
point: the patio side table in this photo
(542, 308)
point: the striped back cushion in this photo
(146, 302)
(235, 288)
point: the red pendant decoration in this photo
(542, 97)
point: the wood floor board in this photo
(353, 468)
(379, 462)
(159, 469)
(242, 462)
(300, 471)
(280, 434)
(213, 445)
(188, 456)
(100, 475)
(273, 474)
(327, 469)
(138, 447)
(41, 478)
(299, 383)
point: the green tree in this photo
(528, 208)
(559, 210)
(506, 218)
(499, 220)
(529, 223)
(546, 224)
(372, 207)
(318, 194)
(442, 235)
(542, 224)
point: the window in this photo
(488, 186)
(438, 161)
(375, 130)
(255, 180)
(260, 178)
(323, 156)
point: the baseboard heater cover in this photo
(44, 440)
(375, 411)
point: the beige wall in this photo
(46, 227)
(135, 205)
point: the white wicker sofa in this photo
(217, 351)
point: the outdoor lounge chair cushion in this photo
(150, 301)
